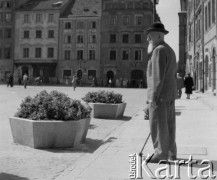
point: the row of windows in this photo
(38, 18)
(128, 5)
(112, 54)
(38, 34)
(6, 4)
(80, 39)
(7, 33)
(126, 38)
(80, 55)
(126, 20)
(6, 53)
(67, 73)
(38, 52)
(80, 25)
(5, 17)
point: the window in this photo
(92, 38)
(50, 17)
(138, 55)
(8, 4)
(209, 14)
(93, 24)
(125, 38)
(113, 20)
(91, 74)
(67, 54)
(38, 52)
(112, 55)
(126, 20)
(213, 11)
(67, 25)
(125, 55)
(26, 34)
(38, 33)
(7, 53)
(0, 53)
(8, 33)
(80, 54)
(67, 74)
(67, 39)
(112, 38)
(38, 18)
(138, 19)
(1, 34)
(92, 54)
(138, 38)
(50, 33)
(50, 52)
(206, 19)
(80, 39)
(25, 52)
(80, 25)
(26, 18)
(8, 17)
(1, 17)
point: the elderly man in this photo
(161, 78)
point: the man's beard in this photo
(150, 48)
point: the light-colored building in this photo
(201, 43)
(79, 45)
(210, 44)
(123, 43)
(37, 39)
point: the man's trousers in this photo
(163, 129)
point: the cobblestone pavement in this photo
(23, 163)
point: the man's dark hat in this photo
(156, 27)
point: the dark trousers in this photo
(163, 129)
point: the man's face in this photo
(152, 37)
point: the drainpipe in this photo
(202, 39)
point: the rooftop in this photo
(43, 5)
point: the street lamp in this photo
(154, 9)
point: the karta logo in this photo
(139, 164)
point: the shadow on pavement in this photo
(89, 146)
(5, 176)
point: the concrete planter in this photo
(107, 111)
(49, 134)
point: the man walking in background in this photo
(162, 91)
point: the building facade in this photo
(201, 43)
(123, 43)
(182, 38)
(37, 39)
(7, 23)
(79, 45)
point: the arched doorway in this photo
(136, 76)
(110, 75)
(213, 70)
(25, 70)
(206, 73)
(79, 76)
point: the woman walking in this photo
(188, 83)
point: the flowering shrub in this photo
(52, 106)
(103, 97)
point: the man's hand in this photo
(152, 104)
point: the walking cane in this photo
(140, 154)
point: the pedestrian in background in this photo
(188, 83)
(74, 82)
(25, 79)
(180, 85)
(162, 90)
